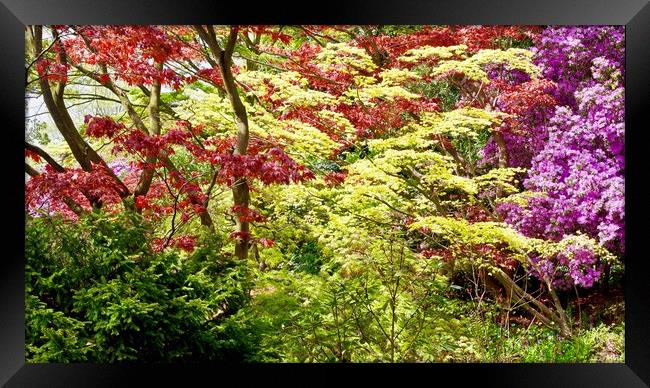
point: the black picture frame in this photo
(16, 14)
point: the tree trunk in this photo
(154, 122)
(81, 150)
(240, 189)
(554, 319)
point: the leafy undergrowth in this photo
(291, 327)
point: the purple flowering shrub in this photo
(576, 265)
(577, 157)
(566, 55)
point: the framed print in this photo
(385, 191)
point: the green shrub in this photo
(95, 291)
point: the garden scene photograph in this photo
(324, 194)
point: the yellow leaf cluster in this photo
(344, 57)
(473, 67)
(423, 53)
